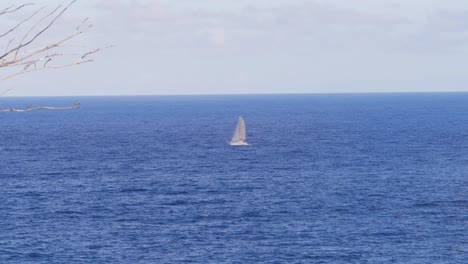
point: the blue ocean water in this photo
(365, 178)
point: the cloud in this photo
(449, 21)
(165, 46)
(248, 29)
(216, 36)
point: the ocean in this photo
(330, 178)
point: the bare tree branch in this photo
(12, 9)
(21, 23)
(9, 62)
(45, 67)
(24, 56)
(24, 44)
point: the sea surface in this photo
(363, 178)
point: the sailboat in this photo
(238, 139)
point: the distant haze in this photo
(260, 46)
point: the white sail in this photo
(239, 137)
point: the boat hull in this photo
(238, 144)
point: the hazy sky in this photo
(261, 46)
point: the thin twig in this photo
(21, 23)
(10, 10)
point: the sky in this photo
(257, 46)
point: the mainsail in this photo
(239, 134)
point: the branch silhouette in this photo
(23, 54)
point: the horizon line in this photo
(236, 94)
